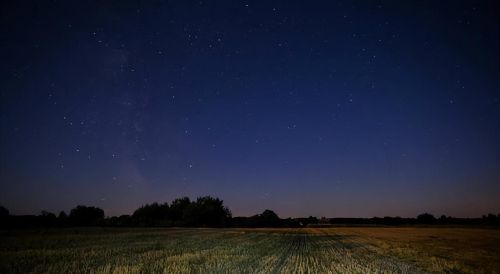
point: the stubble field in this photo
(306, 250)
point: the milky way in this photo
(313, 108)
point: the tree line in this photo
(211, 212)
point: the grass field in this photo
(308, 250)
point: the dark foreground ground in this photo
(306, 250)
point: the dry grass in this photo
(308, 250)
(468, 250)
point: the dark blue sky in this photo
(308, 108)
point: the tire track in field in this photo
(357, 256)
(289, 248)
(321, 252)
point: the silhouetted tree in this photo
(443, 219)
(177, 210)
(323, 220)
(205, 211)
(426, 218)
(268, 218)
(308, 221)
(4, 216)
(4, 212)
(122, 220)
(86, 215)
(62, 215)
(391, 220)
(62, 218)
(47, 218)
(491, 219)
(211, 212)
(47, 214)
(152, 214)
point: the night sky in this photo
(320, 108)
